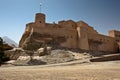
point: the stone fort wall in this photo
(69, 34)
(116, 35)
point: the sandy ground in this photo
(86, 71)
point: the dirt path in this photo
(87, 71)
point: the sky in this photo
(103, 15)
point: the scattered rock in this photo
(14, 53)
(62, 56)
(25, 61)
(55, 56)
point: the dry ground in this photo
(86, 71)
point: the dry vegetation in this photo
(87, 71)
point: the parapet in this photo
(114, 33)
(68, 24)
(81, 23)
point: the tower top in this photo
(40, 19)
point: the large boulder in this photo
(44, 51)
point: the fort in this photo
(69, 34)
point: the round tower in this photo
(40, 19)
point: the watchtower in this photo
(40, 19)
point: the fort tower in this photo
(40, 19)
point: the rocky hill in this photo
(9, 41)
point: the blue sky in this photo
(103, 15)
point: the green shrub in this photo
(3, 57)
